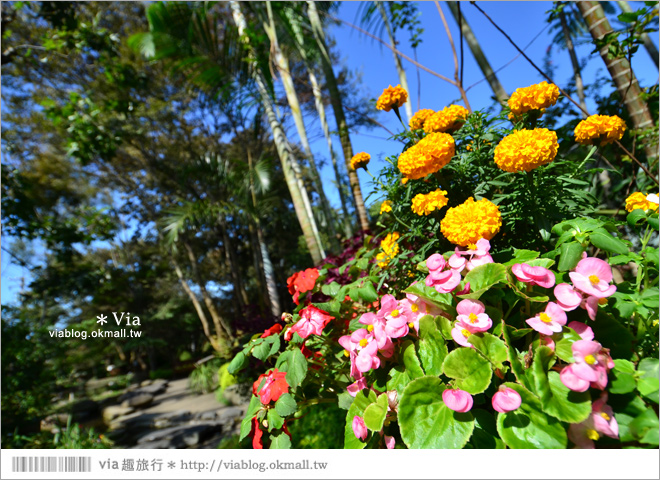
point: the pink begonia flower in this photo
(389, 442)
(590, 304)
(349, 351)
(593, 276)
(547, 341)
(567, 297)
(465, 290)
(583, 434)
(362, 347)
(413, 309)
(534, 275)
(590, 364)
(571, 381)
(582, 329)
(435, 262)
(357, 386)
(506, 400)
(397, 322)
(550, 321)
(359, 428)
(472, 316)
(603, 417)
(457, 400)
(460, 335)
(443, 281)
(376, 325)
(477, 257)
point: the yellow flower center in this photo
(370, 328)
(346, 353)
(473, 318)
(414, 308)
(602, 301)
(590, 359)
(545, 317)
(472, 246)
(466, 333)
(594, 279)
(411, 325)
(605, 416)
(592, 434)
(395, 313)
(363, 342)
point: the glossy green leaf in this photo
(647, 383)
(564, 346)
(490, 346)
(429, 294)
(374, 414)
(528, 426)
(294, 363)
(512, 356)
(471, 371)
(411, 360)
(431, 347)
(636, 218)
(483, 277)
(607, 242)
(238, 363)
(286, 405)
(613, 335)
(645, 427)
(280, 441)
(246, 424)
(275, 420)
(360, 403)
(622, 377)
(570, 254)
(426, 422)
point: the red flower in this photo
(256, 433)
(273, 387)
(301, 282)
(318, 356)
(312, 321)
(277, 328)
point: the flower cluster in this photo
(525, 150)
(423, 204)
(471, 221)
(418, 120)
(642, 202)
(534, 97)
(360, 160)
(448, 119)
(386, 206)
(301, 282)
(392, 97)
(428, 156)
(600, 422)
(474, 256)
(441, 276)
(390, 249)
(600, 130)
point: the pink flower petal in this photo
(506, 400)
(457, 400)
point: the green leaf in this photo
(490, 346)
(431, 347)
(426, 422)
(521, 256)
(238, 363)
(286, 405)
(445, 327)
(647, 383)
(294, 363)
(246, 424)
(622, 377)
(360, 403)
(331, 289)
(374, 414)
(636, 217)
(429, 294)
(564, 346)
(611, 334)
(367, 293)
(645, 427)
(280, 441)
(485, 431)
(512, 355)
(275, 421)
(653, 221)
(569, 255)
(471, 371)
(410, 359)
(483, 277)
(529, 426)
(607, 242)
(344, 400)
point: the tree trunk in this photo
(335, 99)
(620, 70)
(282, 63)
(403, 79)
(257, 264)
(298, 196)
(232, 263)
(579, 86)
(198, 306)
(475, 48)
(648, 43)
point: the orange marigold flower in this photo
(471, 221)
(423, 204)
(404, 180)
(535, 97)
(642, 202)
(391, 97)
(599, 130)
(386, 206)
(429, 155)
(448, 119)
(390, 249)
(360, 160)
(525, 150)
(417, 121)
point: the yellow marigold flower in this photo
(448, 119)
(424, 204)
(390, 249)
(392, 97)
(386, 206)
(417, 121)
(534, 97)
(599, 130)
(640, 201)
(525, 150)
(360, 160)
(471, 221)
(404, 180)
(429, 155)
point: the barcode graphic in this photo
(51, 464)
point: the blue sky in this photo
(374, 63)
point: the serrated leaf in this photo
(431, 348)
(490, 346)
(294, 363)
(470, 370)
(286, 405)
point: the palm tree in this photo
(648, 43)
(336, 101)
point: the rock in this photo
(172, 418)
(156, 444)
(153, 389)
(229, 415)
(53, 423)
(238, 394)
(206, 415)
(182, 435)
(145, 383)
(138, 401)
(110, 413)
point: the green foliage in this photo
(205, 377)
